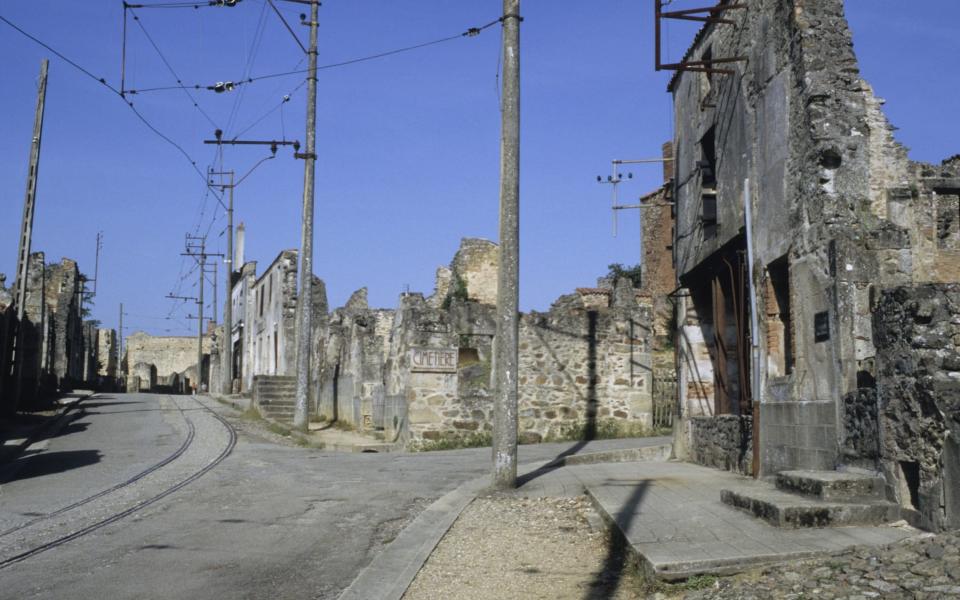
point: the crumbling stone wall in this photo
(918, 386)
(585, 365)
(475, 265)
(62, 294)
(835, 203)
(168, 354)
(107, 352)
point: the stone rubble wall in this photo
(167, 354)
(918, 386)
(723, 442)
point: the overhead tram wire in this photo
(252, 53)
(170, 68)
(104, 83)
(471, 32)
(286, 98)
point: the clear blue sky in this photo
(408, 145)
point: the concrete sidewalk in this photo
(669, 513)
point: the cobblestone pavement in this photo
(512, 547)
(925, 568)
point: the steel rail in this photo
(232, 442)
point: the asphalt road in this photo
(184, 507)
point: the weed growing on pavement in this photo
(604, 429)
(480, 439)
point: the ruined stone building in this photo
(818, 318)
(107, 354)
(57, 351)
(422, 372)
(163, 363)
(268, 317)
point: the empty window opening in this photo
(911, 477)
(708, 182)
(780, 352)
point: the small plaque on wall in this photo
(821, 327)
(434, 360)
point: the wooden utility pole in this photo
(305, 297)
(508, 280)
(26, 234)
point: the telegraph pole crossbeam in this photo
(193, 244)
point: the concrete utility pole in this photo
(508, 278)
(120, 341)
(192, 246)
(305, 298)
(226, 364)
(26, 233)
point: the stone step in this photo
(277, 403)
(276, 396)
(275, 386)
(832, 485)
(784, 509)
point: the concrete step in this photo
(832, 485)
(784, 509)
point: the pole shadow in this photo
(608, 579)
(590, 411)
(48, 463)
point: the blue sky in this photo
(408, 145)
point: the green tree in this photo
(616, 270)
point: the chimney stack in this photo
(238, 248)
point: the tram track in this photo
(191, 432)
(142, 504)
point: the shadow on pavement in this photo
(607, 581)
(48, 463)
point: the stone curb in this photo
(392, 571)
(244, 404)
(11, 449)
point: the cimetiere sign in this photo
(433, 360)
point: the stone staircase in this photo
(275, 396)
(815, 499)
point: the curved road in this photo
(147, 496)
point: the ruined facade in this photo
(107, 353)
(804, 238)
(58, 350)
(172, 360)
(268, 318)
(422, 372)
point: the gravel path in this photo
(505, 547)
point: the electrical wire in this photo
(193, 101)
(472, 32)
(252, 53)
(103, 82)
(286, 98)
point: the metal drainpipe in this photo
(754, 321)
